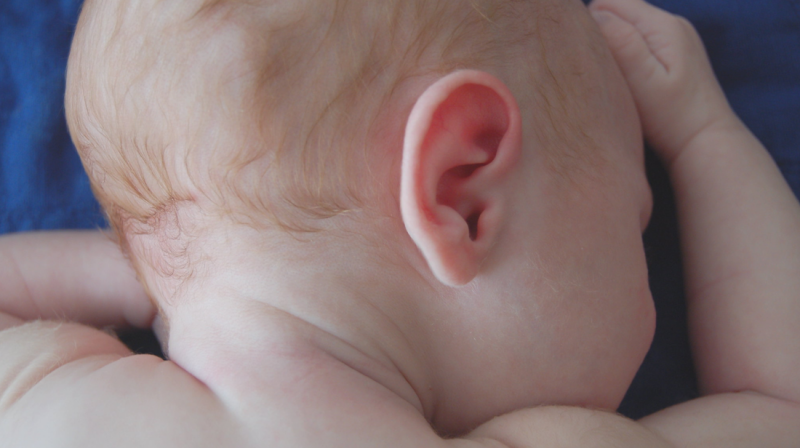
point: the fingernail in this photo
(602, 17)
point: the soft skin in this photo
(509, 288)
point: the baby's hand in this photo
(666, 66)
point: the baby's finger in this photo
(630, 49)
(635, 12)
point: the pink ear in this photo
(463, 137)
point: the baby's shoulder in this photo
(561, 426)
(725, 420)
(69, 385)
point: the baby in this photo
(399, 223)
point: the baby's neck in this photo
(259, 316)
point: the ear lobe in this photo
(462, 139)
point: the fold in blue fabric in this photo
(754, 47)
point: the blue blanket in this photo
(42, 184)
(754, 46)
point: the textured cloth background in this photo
(42, 184)
(754, 46)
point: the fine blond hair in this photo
(268, 109)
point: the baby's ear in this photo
(462, 139)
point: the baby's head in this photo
(482, 156)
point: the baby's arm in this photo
(64, 384)
(740, 231)
(73, 276)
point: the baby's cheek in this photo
(637, 316)
(627, 306)
(647, 320)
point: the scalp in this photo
(165, 98)
(269, 112)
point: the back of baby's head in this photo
(272, 112)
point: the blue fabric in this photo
(42, 183)
(754, 47)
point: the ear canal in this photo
(462, 139)
(472, 224)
